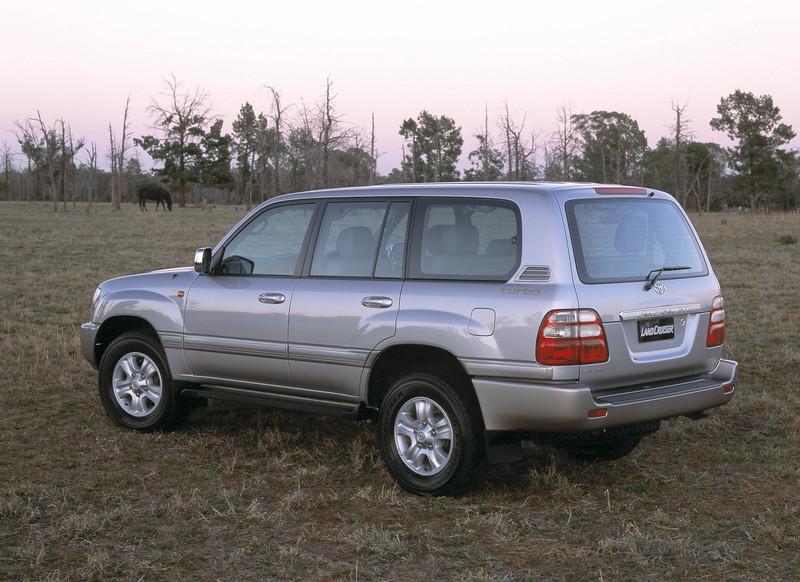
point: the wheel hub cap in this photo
(137, 384)
(423, 436)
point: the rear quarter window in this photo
(624, 240)
(465, 239)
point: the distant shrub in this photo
(787, 239)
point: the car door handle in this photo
(272, 298)
(377, 302)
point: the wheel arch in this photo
(395, 359)
(115, 326)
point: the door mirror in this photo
(202, 260)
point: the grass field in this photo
(245, 493)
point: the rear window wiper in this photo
(653, 275)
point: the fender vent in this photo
(535, 273)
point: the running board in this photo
(285, 401)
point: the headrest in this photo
(461, 239)
(631, 235)
(355, 242)
(433, 239)
(500, 246)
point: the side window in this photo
(270, 244)
(392, 251)
(463, 239)
(348, 239)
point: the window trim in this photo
(317, 226)
(217, 259)
(414, 254)
(577, 247)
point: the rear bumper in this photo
(522, 406)
(88, 333)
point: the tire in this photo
(136, 407)
(604, 450)
(461, 459)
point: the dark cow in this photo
(156, 193)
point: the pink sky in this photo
(79, 61)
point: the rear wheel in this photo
(608, 450)
(136, 386)
(431, 436)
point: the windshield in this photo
(624, 240)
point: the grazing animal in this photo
(156, 193)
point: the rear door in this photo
(348, 300)
(654, 334)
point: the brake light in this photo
(620, 190)
(716, 323)
(571, 336)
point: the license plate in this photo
(651, 330)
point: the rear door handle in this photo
(272, 298)
(377, 302)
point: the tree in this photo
(181, 117)
(214, 162)
(435, 147)
(754, 123)
(487, 161)
(564, 146)
(245, 134)
(373, 153)
(117, 149)
(681, 134)
(520, 153)
(276, 115)
(39, 143)
(613, 147)
(704, 165)
(6, 166)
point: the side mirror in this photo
(202, 260)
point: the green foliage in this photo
(613, 147)
(486, 161)
(214, 164)
(434, 146)
(244, 143)
(754, 123)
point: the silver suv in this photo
(461, 317)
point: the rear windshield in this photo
(624, 240)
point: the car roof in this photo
(441, 188)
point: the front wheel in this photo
(431, 436)
(136, 386)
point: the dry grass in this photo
(241, 493)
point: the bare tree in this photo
(520, 152)
(681, 134)
(117, 154)
(566, 142)
(373, 170)
(90, 194)
(7, 162)
(277, 119)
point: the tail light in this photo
(571, 336)
(716, 323)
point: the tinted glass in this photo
(348, 239)
(270, 244)
(391, 255)
(466, 240)
(623, 240)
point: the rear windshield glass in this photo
(624, 240)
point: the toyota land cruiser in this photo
(461, 317)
